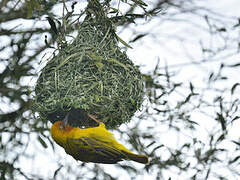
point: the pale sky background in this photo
(145, 53)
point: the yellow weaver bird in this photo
(95, 144)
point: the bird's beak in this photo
(66, 119)
(94, 118)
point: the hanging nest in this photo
(92, 74)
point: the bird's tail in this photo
(138, 158)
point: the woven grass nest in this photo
(93, 74)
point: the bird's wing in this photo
(91, 150)
(101, 134)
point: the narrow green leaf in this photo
(221, 137)
(156, 148)
(42, 142)
(57, 170)
(234, 65)
(139, 2)
(237, 143)
(222, 121)
(137, 37)
(123, 42)
(151, 144)
(234, 160)
(235, 118)
(234, 87)
(191, 87)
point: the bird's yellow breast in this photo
(61, 133)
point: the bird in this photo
(92, 144)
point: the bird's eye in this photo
(61, 126)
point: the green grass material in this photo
(93, 74)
